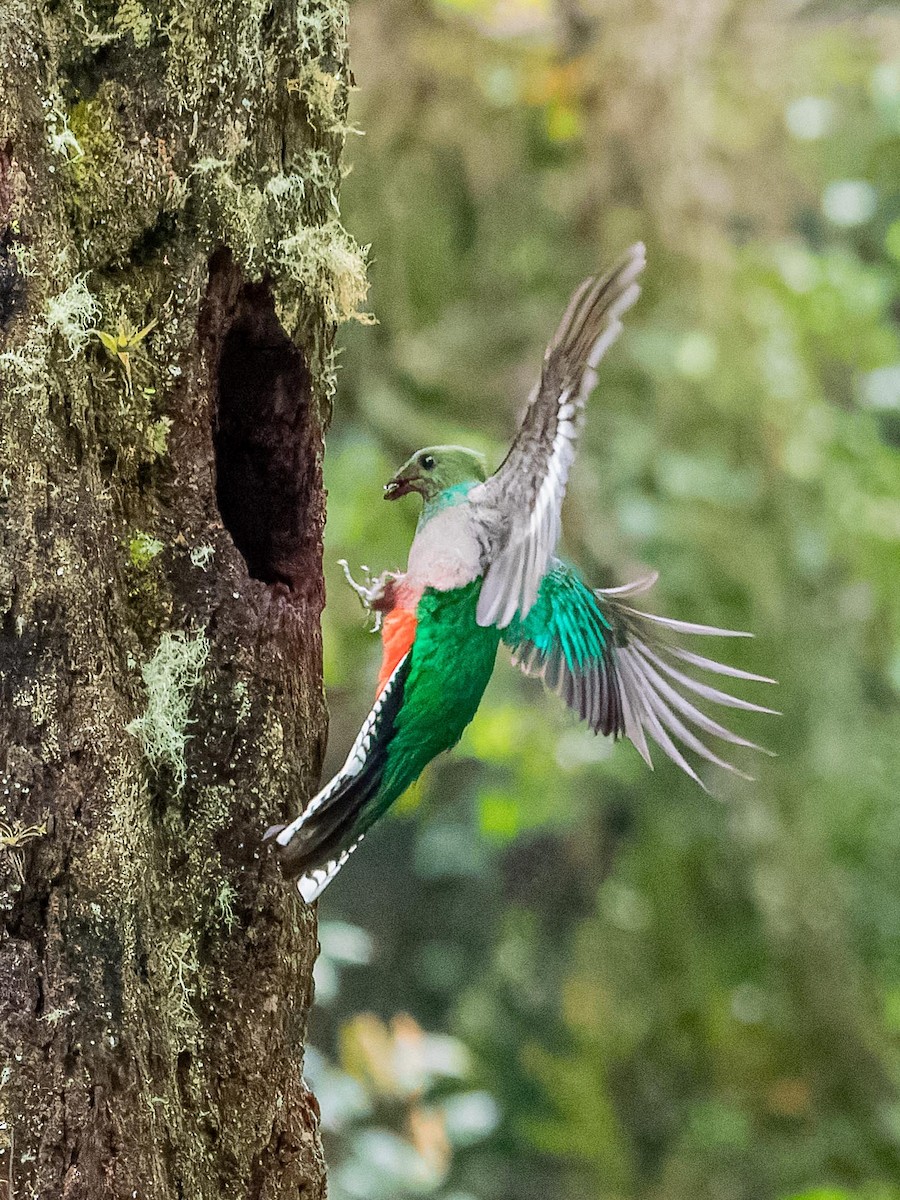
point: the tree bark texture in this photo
(172, 269)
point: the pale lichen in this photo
(320, 28)
(243, 702)
(176, 959)
(121, 855)
(23, 367)
(133, 18)
(328, 264)
(60, 136)
(202, 556)
(320, 259)
(170, 678)
(72, 315)
(319, 90)
(14, 837)
(223, 905)
(39, 696)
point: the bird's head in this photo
(434, 469)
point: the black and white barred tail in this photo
(317, 843)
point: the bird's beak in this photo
(399, 486)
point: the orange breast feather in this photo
(397, 633)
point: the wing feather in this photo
(613, 665)
(521, 502)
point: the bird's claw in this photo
(363, 591)
(373, 592)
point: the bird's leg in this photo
(376, 595)
(361, 590)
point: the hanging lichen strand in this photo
(168, 218)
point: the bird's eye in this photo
(427, 461)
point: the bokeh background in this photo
(551, 973)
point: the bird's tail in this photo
(315, 845)
(656, 696)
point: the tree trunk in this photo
(172, 269)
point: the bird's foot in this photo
(374, 594)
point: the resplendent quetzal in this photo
(482, 571)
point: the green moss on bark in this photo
(158, 975)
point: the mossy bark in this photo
(176, 166)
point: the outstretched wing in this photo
(618, 669)
(520, 503)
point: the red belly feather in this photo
(398, 631)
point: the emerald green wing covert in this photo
(567, 641)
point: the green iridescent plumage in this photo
(450, 664)
(428, 701)
(564, 619)
(481, 570)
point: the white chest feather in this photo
(445, 553)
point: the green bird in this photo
(482, 571)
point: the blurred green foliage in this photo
(649, 993)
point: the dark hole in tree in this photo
(264, 432)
